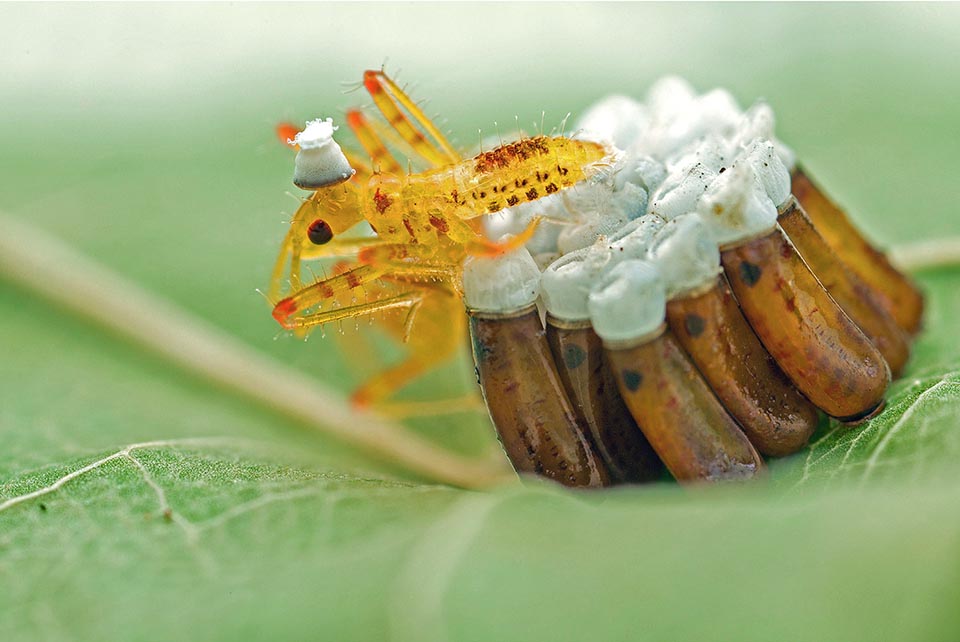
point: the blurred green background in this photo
(142, 135)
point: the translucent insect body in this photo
(425, 225)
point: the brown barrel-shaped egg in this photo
(578, 353)
(535, 420)
(811, 338)
(898, 293)
(709, 325)
(861, 302)
(681, 417)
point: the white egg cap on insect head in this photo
(320, 161)
(760, 122)
(501, 284)
(628, 302)
(736, 207)
(616, 119)
(566, 283)
(633, 240)
(686, 255)
(681, 192)
(770, 170)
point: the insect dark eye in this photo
(319, 232)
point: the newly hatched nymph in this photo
(425, 225)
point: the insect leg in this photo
(389, 99)
(440, 325)
(380, 156)
(481, 246)
(291, 311)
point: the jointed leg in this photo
(389, 99)
(440, 328)
(380, 156)
(291, 311)
(408, 262)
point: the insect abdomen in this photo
(518, 172)
(529, 169)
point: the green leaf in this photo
(138, 503)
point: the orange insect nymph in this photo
(425, 223)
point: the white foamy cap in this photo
(320, 161)
(501, 284)
(715, 112)
(566, 283)
(669, 94)
(736, 207)
(712, 151)
(759, 122)
(640, 170)
(681, 191)
(633, 240)
(602, 205)
(617, 119)
(514, 220)
(628, 302)
(685, 254)
(719, 112)
(770, 170)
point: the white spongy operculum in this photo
(686, 255)
(603, 204)
(715, 112)
(711, 151)
(616, 119)
(642, 171)
(628, 302)
(668, 95)
(566, 283)
(553, 215)
(759, 122)
(681, 191)
(320, 162)
(719, 112)
(736, 207)
(584, 235)
(634, 240)
(770, 170)
(501, 284)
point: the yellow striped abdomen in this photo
(509, 175)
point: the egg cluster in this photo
(703, 300)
